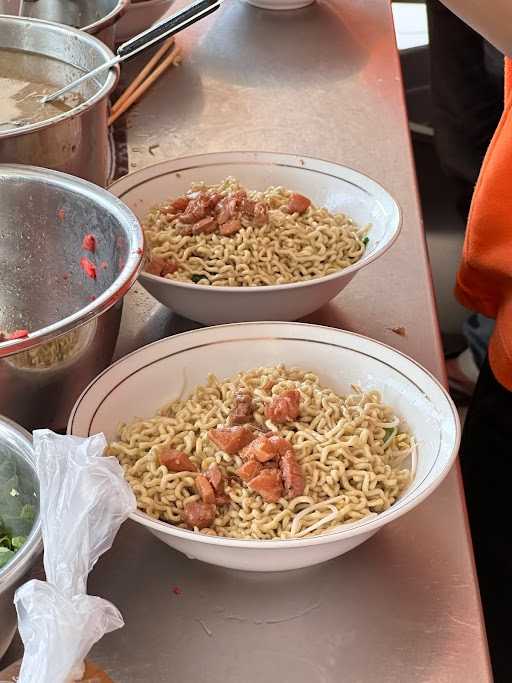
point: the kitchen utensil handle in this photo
(168, 27)
(152, 36)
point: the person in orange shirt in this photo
(484, 284)
(466, 85)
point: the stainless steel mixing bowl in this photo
(98, 17)
(73, 319)
(16, 449)
(76, 141)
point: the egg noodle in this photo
(351, 450)
(48, 355)
(288, 248)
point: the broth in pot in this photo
(38, 55)
(21, 102)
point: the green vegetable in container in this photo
(196, 277)
(17, 509)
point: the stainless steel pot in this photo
(75, 142)
(99, 18)
(73, 318)
(16, 445)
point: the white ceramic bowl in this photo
(139, 16)
(280, 4)
(142, 382)
(337, 187)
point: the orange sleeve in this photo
(484, 281)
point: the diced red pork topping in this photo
(175, 461)
(227, 209)
(161, 266)
(285, 407)
(205, 212)
(260, 213)
(178, 205)
(292, 475)
(249, 470)
(261, 449)
(269, 466)
(230, 227)
(268, 484)
(205, 489)
(196, 210)
(231, 440)
(205, 226)
(243, 408)
(281, 446)
(214, 476)
(198, 514)
(298, 203)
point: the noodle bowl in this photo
(291, 271)
(351, 451)
(290, 246)
(169, 373)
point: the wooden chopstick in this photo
(143, 74)
(172, 58)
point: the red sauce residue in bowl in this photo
(88, 267)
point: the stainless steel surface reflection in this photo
(75, 142)
(73, 319)
(98, 17)
(403, 607)
(46, 380)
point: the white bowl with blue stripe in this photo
(144, 381)
(338, 188)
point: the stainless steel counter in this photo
(404, 607)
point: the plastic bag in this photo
(84, 499)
